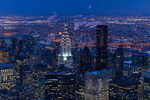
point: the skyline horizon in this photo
(75, 14)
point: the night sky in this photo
(46, 7)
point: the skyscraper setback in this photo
(101, 53)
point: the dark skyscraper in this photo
(56, 51)
(86, 61)
(20, 46)
(14, 46)
(101, 53)
(144, 62)
(119, 58)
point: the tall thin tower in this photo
(65, 56)
(101, 52)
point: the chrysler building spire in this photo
(65, 44)
(65, 56)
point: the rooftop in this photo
(124, 82)
(147, 76)
(59, 73)
(128, 61)
(98, 72)
(3, 64)
(148, 72)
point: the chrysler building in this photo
(65, 56)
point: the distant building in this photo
(56, 52)
(4, 55)
(19, 46)
(7, 76)
(49, 55)
(86, 61)
(59, 86)
(145, 74)
(25, 76)
(145, 61)
(14, 46)
(28, 42)
(140, 92)
(146, 88)
(38, 73)
(38, 49)
(20, 60)
(101, 53)
(97, 85)
(135, 76)
(119, 58)
(140, 62)
(123, 89)
(42, 88)
(2, 41)
(80, 90)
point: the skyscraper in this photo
(144, 62)
(56, 52)
(97, 85)
(7, 76)
(119, 62)
(60, 86)
(123, 89)
(101, 53)
(146, 88)
(4, 55)
(65, 56)
(86, 61)
(119, 58)
(14, 46)
(25, 76)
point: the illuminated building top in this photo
(65, 45)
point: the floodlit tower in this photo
(65, 56)
(65, 44)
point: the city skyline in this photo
(74, 50)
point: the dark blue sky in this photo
(45, 7)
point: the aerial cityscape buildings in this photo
(89, 57)
(84, 61)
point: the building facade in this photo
(123, 89)
(60, 86)
(146, 88)
(97, 85)
(7, 76)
